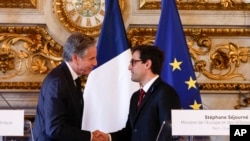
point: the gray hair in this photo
(77, 43)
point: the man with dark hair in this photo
(149, 116)
(60, 105)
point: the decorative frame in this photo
(59, 7)
(197, 5)
(19, 4)
(227, 57)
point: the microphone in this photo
(246, 99)
(6, 101)
(162, 125)
(201, 87)
(238, 88)
(27, 123)
(31, 130)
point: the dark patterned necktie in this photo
(79, 91)
(141, 94)
(78, 85)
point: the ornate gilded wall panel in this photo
(27, 54)
(220, 55)
(18, 4)
(197, 5)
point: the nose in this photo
(129, 67)
(95, 62)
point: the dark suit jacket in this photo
(59, 109)
(144, 124)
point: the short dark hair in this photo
(77, 43)
(153, 53)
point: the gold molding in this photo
(18, 4)
(203, 86)
(224, 86)
(197, 5)
(201, 36)
(20, 85)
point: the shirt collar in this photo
(72, 72)
(149, 83)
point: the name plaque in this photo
(11, 122)
(207, 122)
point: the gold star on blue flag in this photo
(178, 70)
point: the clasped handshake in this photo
(100, 136)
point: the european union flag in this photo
(177, 69)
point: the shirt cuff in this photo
(110, 139)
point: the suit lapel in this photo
(148, 94)
(133, 109)
(73, 94)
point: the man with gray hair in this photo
(60, 105)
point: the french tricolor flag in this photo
(109, 87)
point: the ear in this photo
(148, 64)
(74, 58)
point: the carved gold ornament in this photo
(26, 50)
(18, 4)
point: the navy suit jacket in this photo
(144, 124)
(59, 109)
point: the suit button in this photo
(135, 130)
